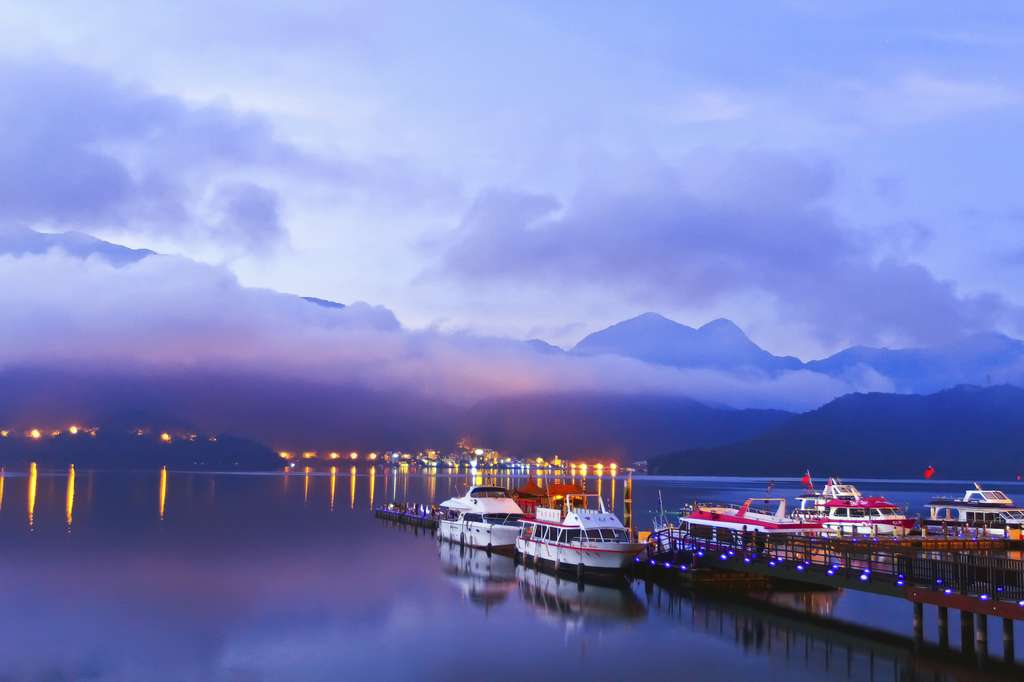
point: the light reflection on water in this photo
(246, 577)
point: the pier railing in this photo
(982, 573)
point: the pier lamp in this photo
(353, 455)
(165, 437)
(73, 430)
(35, 434)
(333, 455)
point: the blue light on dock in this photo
(901, 582)
(983, 597)
(948, 590)
(682, 567)
(724, 556)
(799, 567)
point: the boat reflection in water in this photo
(483, 578)
(578, 604)
(488, 579)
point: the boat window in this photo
(488, 492)
(503, 519)
(839, 513)
(858, 513)
(572, 536)
(473, 518)
(607, 534)
(593, 535)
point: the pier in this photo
(979, 578)
(407, 516)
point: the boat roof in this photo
(870, 502)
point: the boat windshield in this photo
(488, 492)
(606, 535)
(503, 519)
(1013, 515)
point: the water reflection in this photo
(482, 578)
(373, 481)
(69, 497)
(3, 475)
(31, 496)
(305, 485)
(334, 485)
(162, 493)
(352, 487)
(579, 606)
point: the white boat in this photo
(812, 504)
(989, 510)
(576, 537)
(484, 517)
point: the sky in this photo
(823, 174)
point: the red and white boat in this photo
(761, 514)
(843, 510)
(866, 516)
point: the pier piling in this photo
(1008, 640)
(943, 620)
(967, 632)
(981, 636)
(918, 624)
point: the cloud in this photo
(920, 97)
(170, 314)
(752, 224)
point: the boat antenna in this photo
(976, 486)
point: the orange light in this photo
(4, 433)
(333, 455)
(73, 430)
(353, 455)
(35, 434)
(165, 437)
(372, 456)
(309, 455)
(55, 433)
(284, 454)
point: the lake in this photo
(200, 576)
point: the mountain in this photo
(324, 303)
(964, 432)
(977, 359)
(653, 338)
(22, 241)
(623, 428)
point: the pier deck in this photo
(407, 517)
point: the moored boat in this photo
(989, 511)
(572, 535)
(866, 516)
(484, 517)
(760, 514)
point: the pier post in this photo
(1008, 640)
(981, 636)
(967, 632)
(918, 624)
(943, 621)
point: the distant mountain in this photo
(22, 241)
(650, 337)
(623, 428)
(978, 359)
(964, 432)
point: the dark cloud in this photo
(754, 225)
(89, 152)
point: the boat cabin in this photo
(978, 508)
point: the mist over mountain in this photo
(622, 428)
(964, 432)
(22, 241)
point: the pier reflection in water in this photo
(168, 575)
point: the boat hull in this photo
(476, 534)
(593, 556)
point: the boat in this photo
(760, 514)
(576, 532)
(865, 516)
(990, 511)
(484, 517)
(812, 503)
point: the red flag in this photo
(929, 472)
(806, 480)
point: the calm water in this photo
(289, 577)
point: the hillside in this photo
(964, 432)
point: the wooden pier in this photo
(407, 517)
(980, 578)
